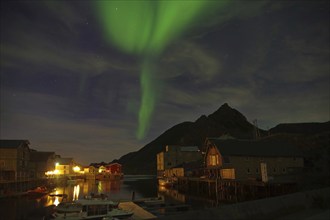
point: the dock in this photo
(139, 213)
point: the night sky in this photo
(95, 80)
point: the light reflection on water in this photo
(120, 190)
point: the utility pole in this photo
(256, 129)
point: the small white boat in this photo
(90, 208)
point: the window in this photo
(227, 173)
(247, 158)
(274, 170)
(284, 170)
(214, 160)
(257, 170)
(248, 170)
(169, 163)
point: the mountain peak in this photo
(225, 112)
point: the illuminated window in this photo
(227, 173)
(214, 160)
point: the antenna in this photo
(256, 129)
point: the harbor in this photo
(138, 194)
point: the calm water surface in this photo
(120, 190)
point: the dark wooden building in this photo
(262, 160)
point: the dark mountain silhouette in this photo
(301, 128)
(225, 120)
(311, 138)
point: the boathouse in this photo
(262, 160)
(174, 156)
(14, 160)
(40, 163)
(113, 168)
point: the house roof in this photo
(40, 156)
(63, 161)
(13, 143)
(189, 148)
(260, 148)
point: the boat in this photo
(38, 192)
(90, 208)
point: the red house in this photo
(113, 168)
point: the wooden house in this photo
(64, 166)
(114, 168)
(263, 160)
(14, 160)
(40, 163)
(174, 156)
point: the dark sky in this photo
(67, 89)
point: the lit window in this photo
(213, 160)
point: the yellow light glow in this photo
(56, 172)
(76, 169)
(56, 202)
(56, 164)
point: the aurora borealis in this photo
(104, 78)
(145, 28)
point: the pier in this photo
(233, 190)
(139, 212)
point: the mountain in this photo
(311, 138)
(301, 128)
(225, 120)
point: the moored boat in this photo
(91, 208)
(38, 192)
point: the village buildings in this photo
(40, 163)
(260, 160)
(170, 161)
(18, 162)
(14, 160)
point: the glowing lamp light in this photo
(56, 172)
(56, 164)
(76, 169)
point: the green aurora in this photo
(145, 28)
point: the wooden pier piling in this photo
(232, 190)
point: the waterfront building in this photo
(64, 166)
(40, 163)
(14, 160)
(174, 156)
(111, 171)
(114, 168)
(262, 160)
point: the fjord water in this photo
(25, 207)
(141, 186)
